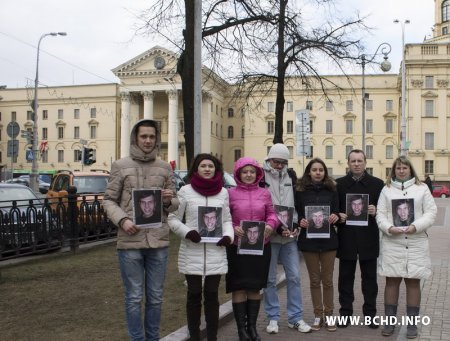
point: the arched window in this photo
(445, 10)
(230, 132)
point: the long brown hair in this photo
(306, 180)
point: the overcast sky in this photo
(100, 36)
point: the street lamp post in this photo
(385, 66)
(403, 147)
(34, 165)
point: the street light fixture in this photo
(34, 165)
(385, 66)
(403, 147)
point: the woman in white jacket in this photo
(405, 210)
(203, 258)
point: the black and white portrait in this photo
(403, 212)
(285, 215)
(210, 223)
(318, 225)
(357, 209)
(253, 241)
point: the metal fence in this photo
(28, 228)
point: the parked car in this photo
(180, 176)
(441, 191)
(25, 180)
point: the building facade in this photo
(100, 116)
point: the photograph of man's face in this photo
(357, 206)
(253, 235)
(210, 220)
(318, 218)
(147, 206)
(283, 216)
(356, 209)
(403, 212)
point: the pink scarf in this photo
(207, 187)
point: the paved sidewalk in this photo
(435, 300)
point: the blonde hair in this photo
(403, 160)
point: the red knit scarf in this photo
(207, 187)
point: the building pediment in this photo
(389, 114)
(270, 117)
(93, 122)
(153, 61)
(430, 94)
(349, 116)
(60, 123)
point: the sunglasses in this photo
(279, 162)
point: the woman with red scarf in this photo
(198, 259)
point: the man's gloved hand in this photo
(225, 241)
(193, 236)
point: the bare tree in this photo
(259, 44)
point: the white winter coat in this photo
(405, 255)
(202, 258)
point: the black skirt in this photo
(247, 272)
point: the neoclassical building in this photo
(100, 116)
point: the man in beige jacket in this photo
(142, 252)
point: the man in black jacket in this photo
(358, 242)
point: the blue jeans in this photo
(143, 268)
(288, 255)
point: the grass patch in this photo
(79, 296)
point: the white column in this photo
(172, 138)
(148, 104)
(206, 123)
(125, 98)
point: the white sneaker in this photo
(272, 327)
(301, 326)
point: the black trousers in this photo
(369, 286)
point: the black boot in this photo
(193, 313)
(389, 310)
(240, 315)
(211, 304)
(252, 316)
(411, 328)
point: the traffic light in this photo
(88, 156)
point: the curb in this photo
(225, 316)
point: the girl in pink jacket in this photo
(247, 273)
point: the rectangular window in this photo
(230, 112)
(328, 152)
(369, 152)
(429, 108)
(76, 132)
(289, 106)
(44, 133)
(389, 105)
(429, 82)
(212, 107)
(389, 152)
(270, 127)
(181, 126)
(290, 127)
(310, 156)
(387, 172)
(429, 166)
(291, 152)
(311, 125)
(77, 154)
(369, 126)
(330, 171)
(369, 170)
(29, 115)
(93, 132)
(242, 132)
(348, 126)
(389, 126)
(60, 133)
(60, 156)
(270, 106)
(44, 156)
(329, 105)
(309, 105)
(348, 149)
(45, 114)
(329, 126)
(429, 141)
(60, 114)
(237, 154)
(13, 116)
(76, 114)
(93, 112)
(349, 105)
(369, 104)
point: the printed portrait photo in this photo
(403, 212)
(318, 225)
(147, 207)
(356, 209)
(210, 223)
(253, 241)
(285, 215)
